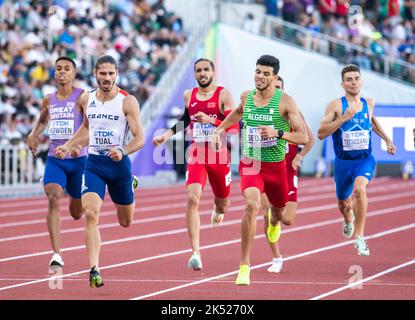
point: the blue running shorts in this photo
(101, 171)
(346, 171)
(65, 172)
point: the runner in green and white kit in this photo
(265, 113)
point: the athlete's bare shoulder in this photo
(186, 95)
(244, 95)
(370, 102)
(243, 98)
(286, 98)
(78, 99)
(226, 101)
(83, 100)
(224, 92)
(335, 104)
(46, 101)
(130, 100)
(333, 110)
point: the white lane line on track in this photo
(220, 244)
(377, 275)
(108, 205)
(140, 200)
(341, 244)
(203, 212)
(398, 209)
(315, 187)
(155, 196)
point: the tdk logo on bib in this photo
(103, 137)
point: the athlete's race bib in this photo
(355, 140)
(61, 129)
(104, 140)
(202, 132)
(256, 141)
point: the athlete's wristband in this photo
(122, 151)
(280, 133)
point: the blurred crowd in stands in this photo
(382, 28)
(142, 35)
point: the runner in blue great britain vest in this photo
(350, 121)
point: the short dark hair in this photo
(204, 59)
(105, 59)
(67, 59)
(269, 61)
(282, 81)
(350, 68)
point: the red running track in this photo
(149, 259)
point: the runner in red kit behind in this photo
(203, 161)
(205, 108)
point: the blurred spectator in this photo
(251, 24)
(11, 135)
(342, 8)
(289, 10)
(307, 6)
(409, 10)
(6, 107)
(409, 74)
(271, 6)
(393, 9)
(371, 9)
(361, 60)
(327, 8)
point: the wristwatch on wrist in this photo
(280, 133)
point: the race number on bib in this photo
(256, 141)
(355, 140)
(61, 129)
(202, 132)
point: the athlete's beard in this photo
(101, 83)
(205, 85)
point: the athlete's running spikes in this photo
(361, 246)
(134, 182)
(348, 228)
(195, 262)
(95, 279)
(243, 275)
(56, 261)
(216, 218)
(276, 266)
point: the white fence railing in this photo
(19, 170)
